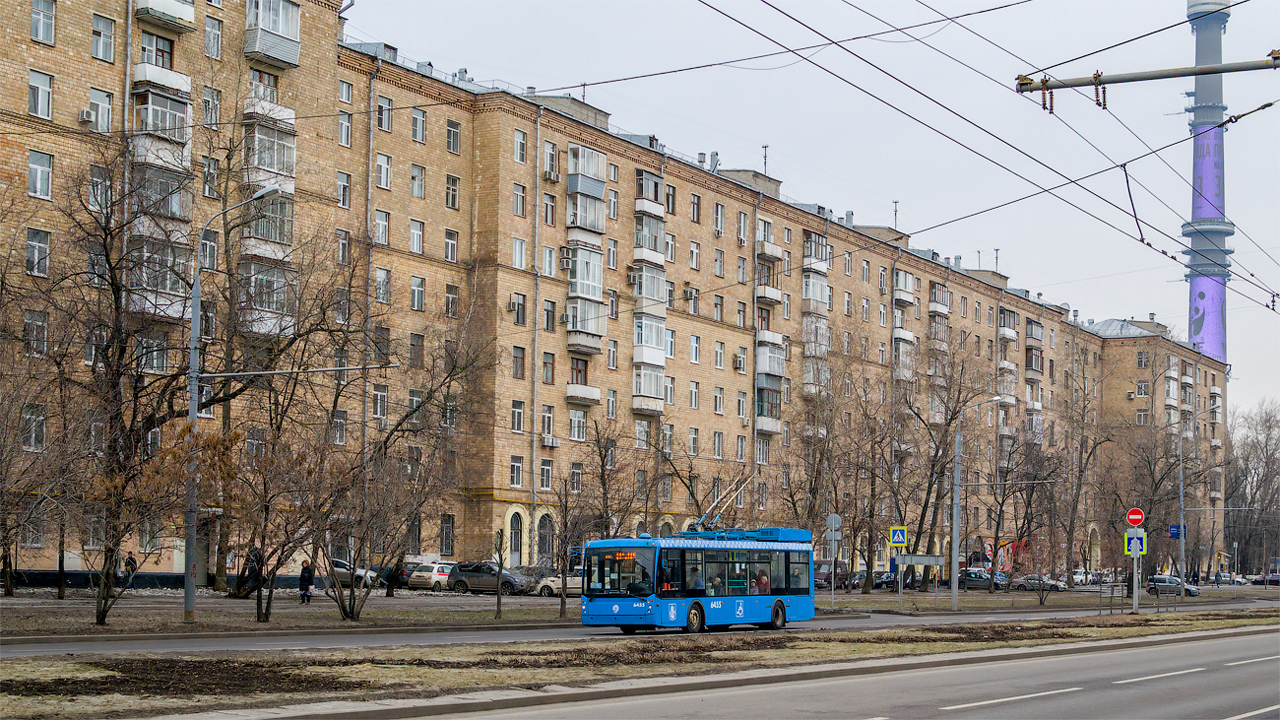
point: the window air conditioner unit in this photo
(633, 278)
(742, 242)
(883, 291)
(550, 441)
(1130, 395)
(690, 293)
(719, 232)
(564, 318)
(88, 116)
(551, 176)
(565, 263)
(383, 424)
(739, 362)
(511, 305)
(746, 422)
(565, 253)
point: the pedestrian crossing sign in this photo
(898, 536)
(1135, 542)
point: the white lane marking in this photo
(1245, 662)
(1008, 699)
(1153, 677)
(1255, 713)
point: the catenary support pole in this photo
(955, 527)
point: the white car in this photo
(431, 576)
(550, 586)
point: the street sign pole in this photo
(1136, 586)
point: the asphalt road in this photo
(185, 645)
(1217, 679)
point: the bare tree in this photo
(573, 518)
(1253, 483)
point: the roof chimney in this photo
(702, 158)
(531, 90)
(1151, 317)
(957, 261)
(848, 218)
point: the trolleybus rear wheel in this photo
(778, 619)
(694, 623)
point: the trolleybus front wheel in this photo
(627, 629)
(777, 619)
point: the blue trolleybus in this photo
(696, 580)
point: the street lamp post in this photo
(956, 484)
(193, 407)
(1182, 510)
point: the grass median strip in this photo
(137, 685)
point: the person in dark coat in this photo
(306, 580)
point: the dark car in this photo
(1272, 579)
(483, 577)
(398, 575)
(980, 580)
(822, 574)
(1167, 584)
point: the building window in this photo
(37, 252)
(695, 208)
(213, 38)
(344, 129)
(451, 245)
(578, 371)
(578, 425)
(452, 301)
(446, 535)
(549, 209)
(417, 293)
(517, 416)
(548, 368)
(517, 200)
(42, 14)
(381, 226)
(671, 200)
(613, 204)
(274, 150)
(416, 230)
(517, 363)
(451, 185)
(39, 174)
(39, 94)
(33, 427)
(382, 285)
(453, 137)
(517, 471)
(521, 146)
(344, 91)
(613, 355)
(276, 16)
(693, 394)
(518, 300)
(35, 332)
(417, 181)
(384, 113)
(157, 51)
(104, 38)
(518, 253)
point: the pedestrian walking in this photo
(306, 582)
(130, 569)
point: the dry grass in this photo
(149, 684)
(914, 601)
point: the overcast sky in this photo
(832, 144)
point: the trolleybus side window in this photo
(798, 573)
(670, 574)
(694, 585)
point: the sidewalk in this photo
(554, 694)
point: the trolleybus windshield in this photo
(619, 571)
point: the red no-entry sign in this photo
(1135, 517)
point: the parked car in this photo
(398, 575)
(342, 572)
(1080, 577)
(980, 580)
(1037, 582)
(431, 576)
(822, 574)
(1167, 584)
(1272, 579)
(483, 577)
(534, 572)
(549, 586)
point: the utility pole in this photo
(1208, 264)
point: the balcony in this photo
(162, 77)
(271, 49)
(267, 322)
(643, 405)
(575, 394)
(903, 335)
(1216, 443)
(172, 15)
(646, 255)
(1035, 406)
(768, 294)
(814, 431)
(1216, 391)
(1186, 380)
(585, 184)
(1005, 430)
(1033, 371)
(809, 306)
(937, 417)
(817, 264)
(813, 391)
(158, 303)
(1171, 373)
(160, 151)
(584, 343)
(1007, 400)
(904, 374)
(649, 355)
(258, 109)
(766, 425)
(1007, 366)
(646, 206)
(1007, 334)
(768, 251)
(769, 337)
(904, 296)
(939, 309)
(550, 441)
(1170, 401)
(262, 177)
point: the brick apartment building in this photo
(690, 309)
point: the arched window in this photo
(517, 541)
(665, 530)
(640, 529)
(546, 537)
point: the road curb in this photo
(1016, 611)
(367, 630)
(401, 709)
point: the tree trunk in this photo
(7, 563)
(220, 556)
